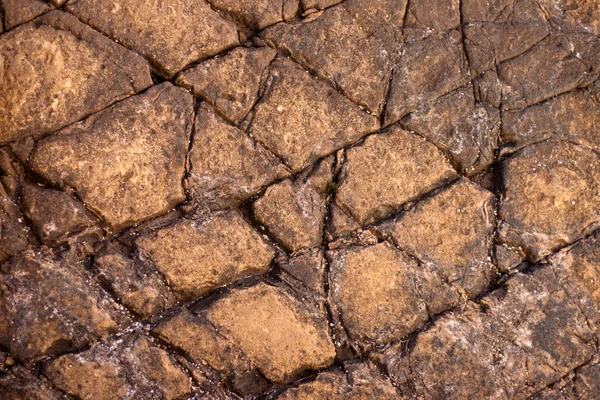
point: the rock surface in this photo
(57, 71)
(170, 35)
(115, 151)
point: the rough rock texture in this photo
(550, 197)
(301, 119)
(452, 230)
(227, 166)
(554, 61)
(17, 12)
(230, 83)
(294, 211)
(523, 337)
(56, 215)
(130, 367)
(142, 157)
(500, 30)
(327, 45)
(275, 331)
(256, 15)
(57, 71)
(573, 116)
(197, 257)
(137, 286)
(427, 69)
(388, 170)
(468, 131)
(204, 344)
(299, 199)
(20, 384)
(171, 35)
(48, 307)
(357, 382)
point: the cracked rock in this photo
(56, 216)
(230, 82)
(328, 44)
(573, 116)
(204, 344)
(388, 170)
(555, 62)
(493, 35)
(137, 286)
(583, 385)
(452, 230)
(308, 267)
(130, 367)
(17, 12)
(301, 119)
(227, 166)
(524, 337)
(550, 197)
(136, 148)
(294, 211)
(171, 35)
(280, 336)
(255, 14)
(49, 307)
(15, 235)
(57, 71)
(197, 257)
(426, 70)
(20, 384)
(455, 123)
(358, 381)
(439, 15)
(583, 14)
(373, 293)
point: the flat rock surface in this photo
(170, 35)
(299, 199)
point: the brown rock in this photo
(137, 286)
(294, 211)
(55, 215)
(328, 45)
(426, 70)
(170, 35)
(574, 116)
(507, 258)
(550, 197)
(372, 290)
(440, 15)
(15, 236)
(83, 72)
(382, 18)
(49, 307)
(578, 271)
(136, 148)
(255, 14)
(388, 170)
(467, 130)
(227, 166)
(197, 257)
(128, 368)
(279, 335)
(580, 13)
(308, 267)
(318, 4)
(20, 384)
(494, 35)
(487, 88)
(301, 119)
(454, 231)
(17, 12)
(204, 344)
(524, 337)
(230, 83)
(360, 382)
(554, 61)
